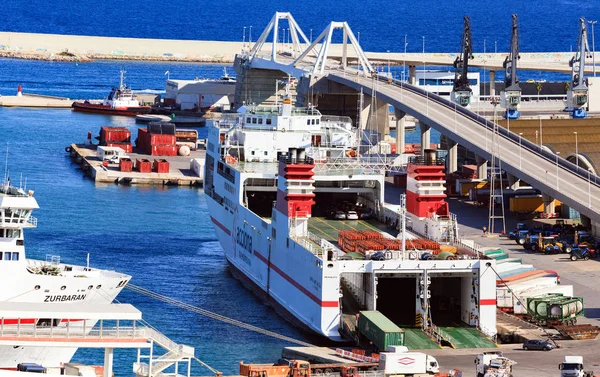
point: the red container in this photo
(127, 147)
(126, 165)
(162, 139)
(114, 135)
(143, 165)
(163, 150)
(161, 166)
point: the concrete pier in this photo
(33, 100)
(180, 172)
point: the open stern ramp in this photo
(417, 339)
(465, 337)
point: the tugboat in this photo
(120, 101)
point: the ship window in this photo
(0, 256)
(318, 121)
(268, 120)
(313, 121)
(308, 122)
(253, 120)
(248, 120)
(266, 153)
(252, 153)
(260, 120)
(15, 255)
(7, 255)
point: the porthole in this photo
(63, 287)
(98, 286)
(90, 287)
(37, 287)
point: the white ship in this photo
(37, 281)
(275, 180)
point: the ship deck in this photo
(328, 229)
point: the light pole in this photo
(593, 46)
(250, 35)
(589, 187)
(310, 35)
(404, 63)
(389, 69)
(541, 131)
(496, 47)
(484, 67)
(423, 59)
(244, 37)
(557, 153)
(576, 150)
(520, 150)
(358, 37)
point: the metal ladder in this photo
(495, 173)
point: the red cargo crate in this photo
(114, 135)
(127, 147)
(143, 165)
(161, 166)
(162, 139)
(126, 165)
(163, 150)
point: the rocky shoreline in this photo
(78, 58)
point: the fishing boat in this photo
(120, 101)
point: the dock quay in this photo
(35, 100)
(183, 170)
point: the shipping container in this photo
(505, 295)
(380, 330)
(143, 165)
(125, 165)
(114, 135)
(161, 166)
(127, 147)
(163, 150)
(520, 306)
(556, 308)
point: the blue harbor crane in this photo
(510, 97)
(577, 95)
(461, 92)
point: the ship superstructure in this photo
(276, 177)
(42, 281)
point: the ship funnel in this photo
(430, 155)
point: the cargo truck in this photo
(401, 362)
(380, 330)
(493, 364)
(301, 368)
(572, 366)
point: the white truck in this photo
(493, 364)
(110, 154)
(572, 366)
(398, 361)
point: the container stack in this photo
(158, 139)
(116, 137)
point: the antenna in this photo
(6, 165)
(87, 264)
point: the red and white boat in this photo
(120, 101)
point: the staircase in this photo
(175, 353)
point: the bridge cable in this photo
(212, 315)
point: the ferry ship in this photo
(282, 184)
(120, 101)
(38, 281)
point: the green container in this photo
(380, 330)
(509, 260)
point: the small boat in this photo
(120, 101)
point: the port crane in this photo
(510, 97)
(577, 95)
(461, 92)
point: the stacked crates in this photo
(158, 139)
(362, 240)
(116, 137)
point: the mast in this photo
(122, 81)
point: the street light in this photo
(557, 153)
(496, 47)
(404, 63)
(244, 37)
(358, 37)
(589, 188)
(250, 36)
(423, 59)
(484, 67)
(423, 44)
(576, 149)
(310, 35)
(593, 46)
(520, 150)
(389, 70)
(540, 131)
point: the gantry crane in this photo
(510, 97)
(577, 95)
(461, 92)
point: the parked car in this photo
(538, 344)
(352, 215)
(339, 215)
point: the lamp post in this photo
(589, 187)
(576, 150)
(484, 66)
(389, 69)
(250, 35)
(520, 150)
(423, 59)
(404, 63)
(541, 143)
(557, 153)
(310, 35)
(244, 37)
(593, 46)
(358, 37)
(496, 47)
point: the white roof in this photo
(21, 202)
(70, 311)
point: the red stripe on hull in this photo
(324, 304)
(489, 301)
(221, 226)
(99, 109)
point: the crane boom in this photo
(577, 95)
(510, 98)
(461, 91)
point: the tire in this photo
(547, 348)
(526, 348)
(574, 258)
(568, 249)
(534, 248)
(587, 257)
(521, 241)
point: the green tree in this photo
(538, 87)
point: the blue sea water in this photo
(162, 237)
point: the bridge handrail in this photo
(583, 173)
